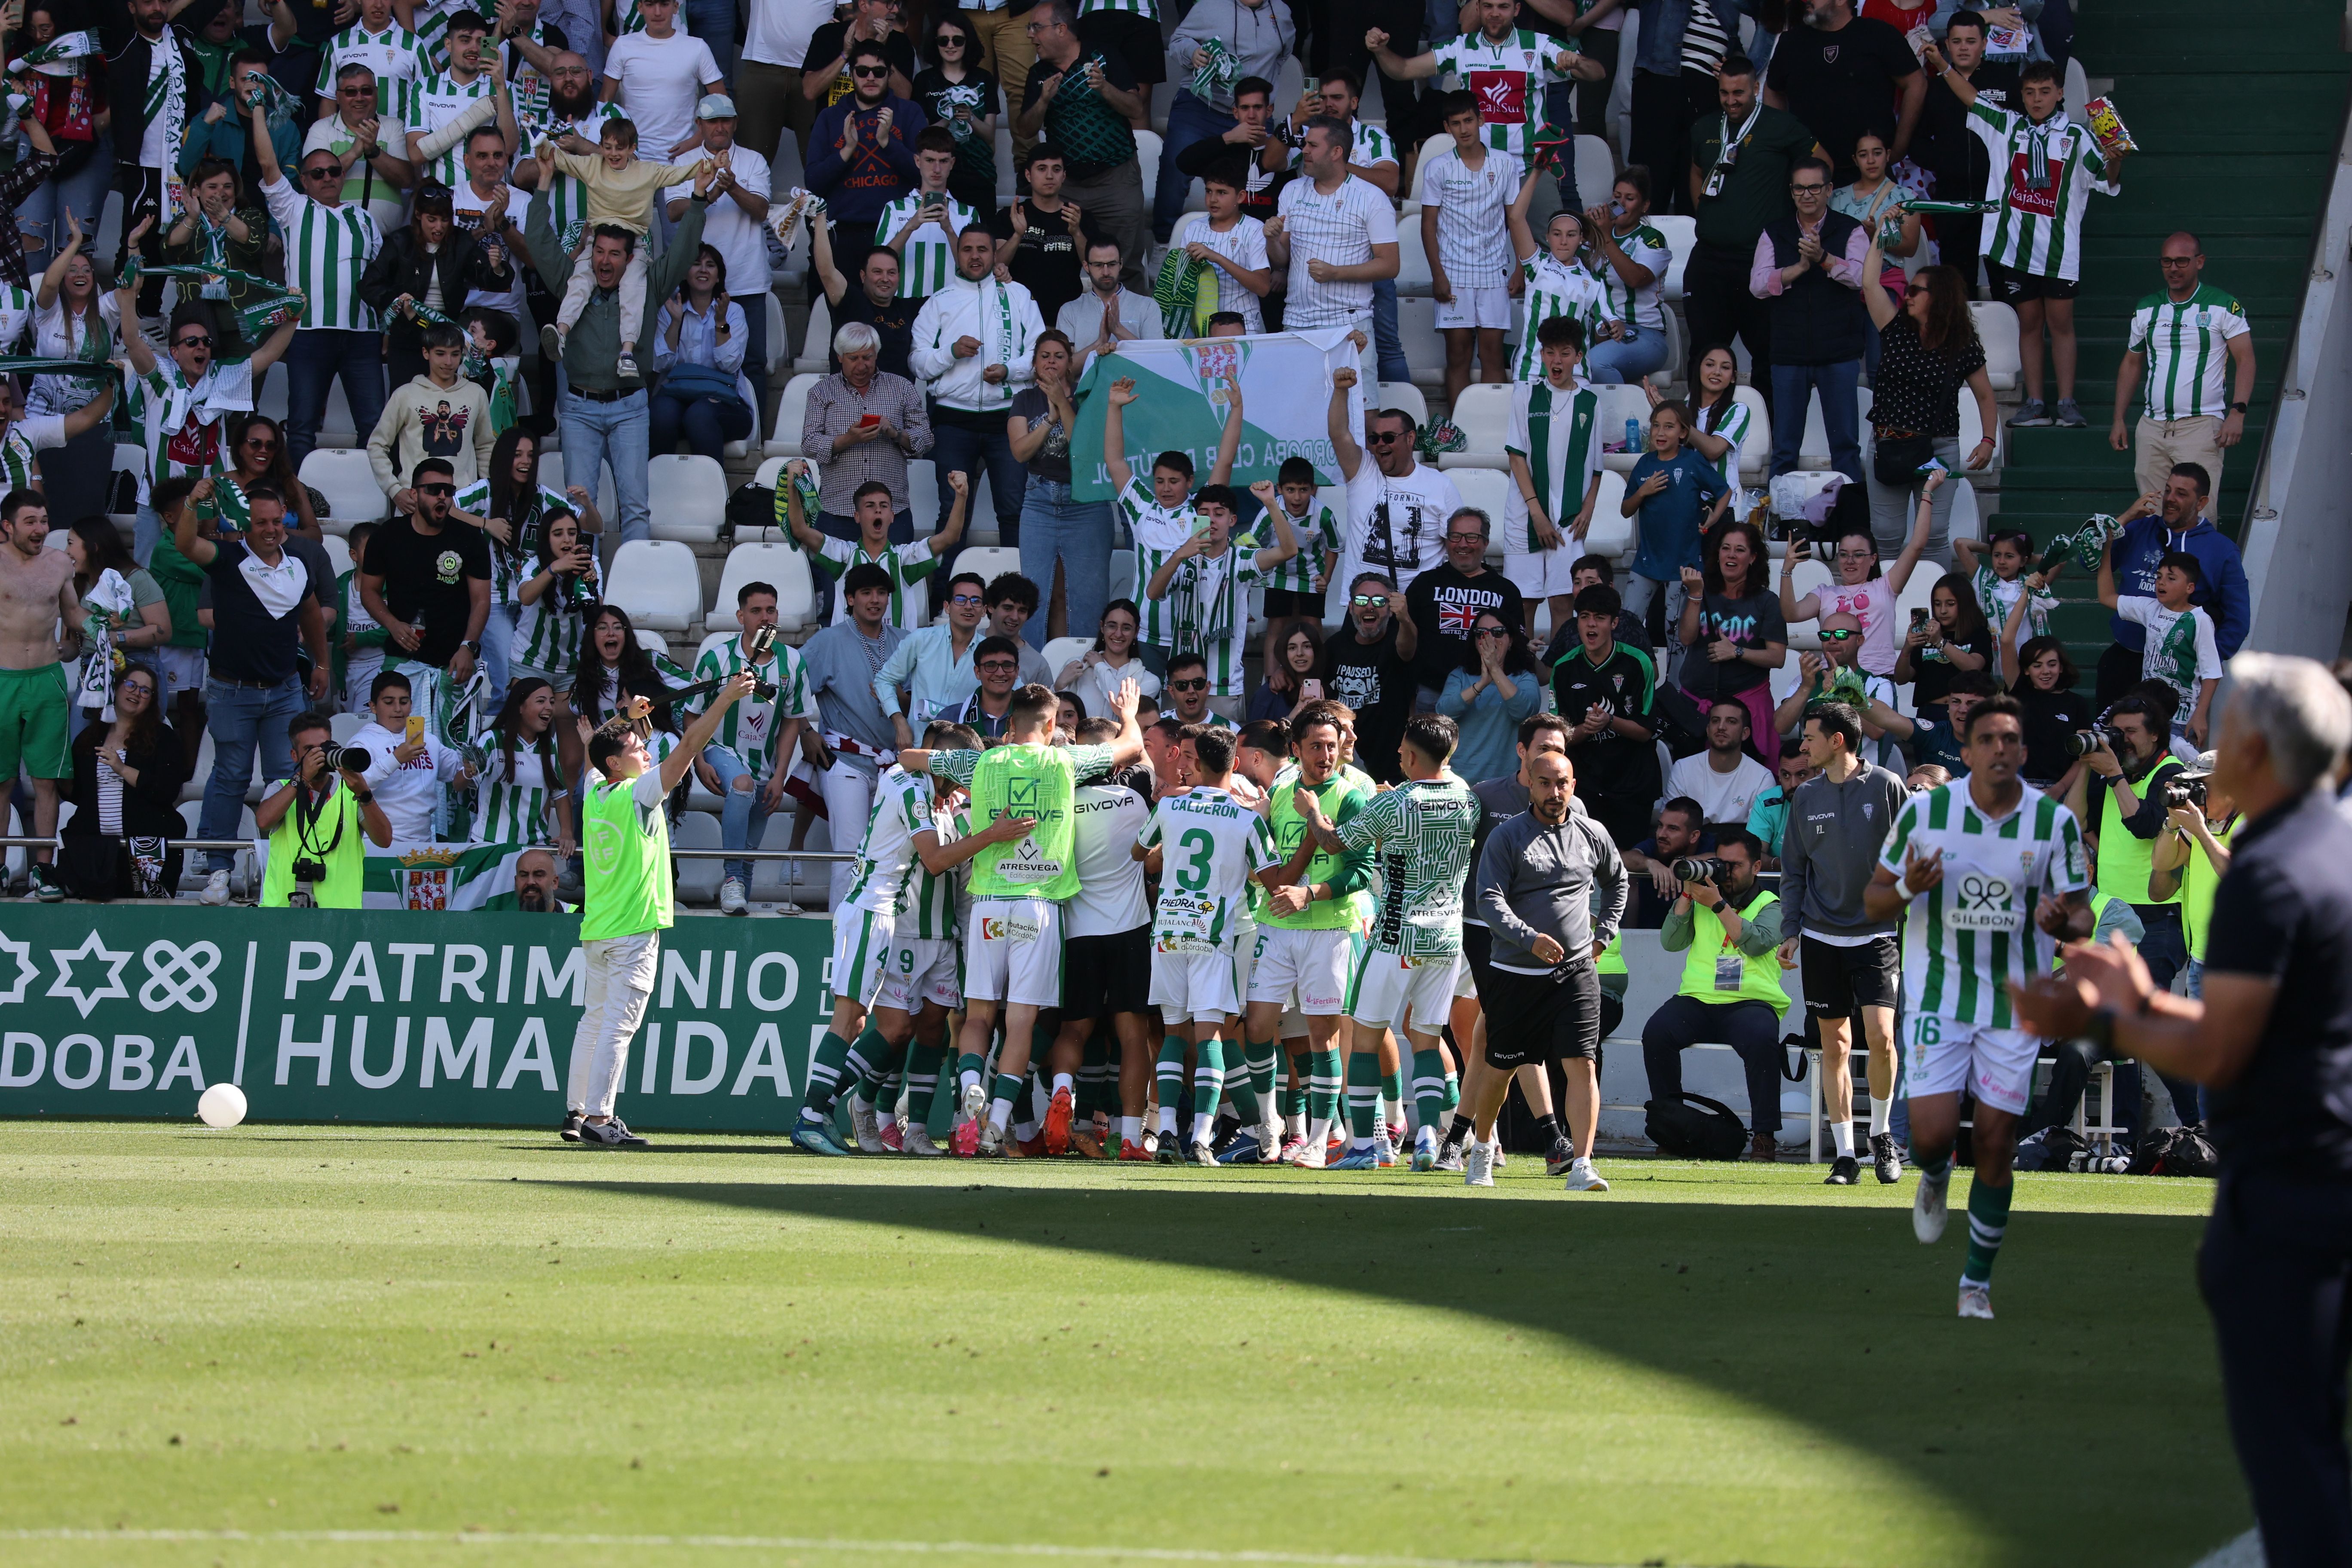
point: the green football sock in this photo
(825, 1075)
(1363, 1094)
(1392, 1086)
(1243, 1090)
(970, 1068)
(1001, 1098)
(1171, 1074)
(1323, 1086)
(1936, 1167)
(923, 1064)
(1988, 1222)
(1452, 1090)
(1429, 1086)
(1264, 1065)
(1208, 1080)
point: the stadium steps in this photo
(2237, 126)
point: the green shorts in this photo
(33, 716)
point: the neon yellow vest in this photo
(628, 865)
(344, 857)
(2123, 865)
(1289, 828)
(2197, 880)
(1759, 978)
(1612, 957)
(1029, 781)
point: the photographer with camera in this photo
(1837, 823)
(314, 822)
(1731, 991)
(2192, 855)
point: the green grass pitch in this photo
(413, 1346)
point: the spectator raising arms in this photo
(1859, 589)
(1927, 349)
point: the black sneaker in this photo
(1843, 1171)
(1562, 1155)
(571, 1128)
(612, 1134)
(1888, 1164)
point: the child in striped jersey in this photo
(921, 225)
(1204, 581)
(357, 638)
(1163, 517)
(1557, 281)
(621, 191)
(529, 799)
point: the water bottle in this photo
(1632, 434)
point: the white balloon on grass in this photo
(221, 1106)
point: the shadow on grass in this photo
(2060, 1425)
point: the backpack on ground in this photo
(2175, 1151)
(1693, 1127)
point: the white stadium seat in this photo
(1407, 396)
(816, 343)
(1612, 533)
(1997, 330)
(345, 725)
(774, 564)
(777, 350)
(1412, 261)
(338, 554)
(1488, 489)
(1680, 234)
(1147, 160)
(1596, 170)
(697, 878)
(990, 560)
(688, 497)
(1483, 414)
(1060, 651)
(345, 479)
(1619, 403)
(653, 643)
(1429, 148)
(657, 583)
(792, 413)
(1417, 331)
(1755, 451)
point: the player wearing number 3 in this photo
(1995, 875)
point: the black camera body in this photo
(2180, 792)
(308, 870)
(2083, 742)
(1695, 868)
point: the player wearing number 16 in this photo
(1013, 937)
(1993, 872)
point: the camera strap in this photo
(306, 817)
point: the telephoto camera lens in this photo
(349, 758)
(1694, 870)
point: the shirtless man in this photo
(36, 591)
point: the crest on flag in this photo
(1213, 362)
(423, 877)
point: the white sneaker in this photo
(1310, 1155)
(1270, 1140)
(1976, 1301)
(730, 896)
(215, 889)
(867, 1128)
(991, 1141)
(1478, 1165)
(917, 1141)
(1927, 1210)
(1583, 1178)
(626, 367)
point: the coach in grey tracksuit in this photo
(1838, 823)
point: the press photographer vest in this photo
(2123, 865)
(334, 837)
(627, 848)
(1759, 978)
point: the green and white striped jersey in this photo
(1996, 598)
(1558, 433)
(180, 425)
(548, 630)
(927, 260)
(1210, 845)
(1730, 421)
(512, 564)
(2185, 342)
(519, 805)
(567, 198)
(327, 250)
(1967, 938)
(1316, 533)
(26, 436)
(1419, 834)
(749, 729)
(628, 19)
(1556, 288)
(1645, 246)
(437, 99)
(394, 55)
(1507, 79)
(883, 881)
(1158, 530)
(908, 564)
(1208, 613)
(1149, 9)
(2038, 231)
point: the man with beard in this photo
(534, 884)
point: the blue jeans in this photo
(1614, 363)
(744, 814)
(1386, 343)
(1077, 533)
(315, 358)
(957, 450)
(1791, 386)
(617, 432)
(143, 539)
(498, 649)
(713, 21)
(242, 718)
(1190, 122)
(708, 423)
(81, 192)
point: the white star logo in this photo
(92, 947)
(27, 969)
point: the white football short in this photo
(1012, 952)
(1543, 574)
(1489, 307)
(1306, 971)
(916, 970)
(1391, 991)
(1203, 987)
(1941, 1056)
(860, 940)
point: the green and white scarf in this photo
(1212, 81)
(1186, 291)
(58, 57)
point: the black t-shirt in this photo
(1611, 764)
(2284, 914)
(249, 643)
(2050, 717)
(825, 46)
(1932, 674)
(1751, 621)
(424, 579)
(1841, 84)
(894, 319)
(1443, 605)
(1944, 144)
(1052, 459)
(1047, 262)
(974, 180)
(1374, 681)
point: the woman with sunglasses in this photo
(1492, 689)
(957, 93)
(1927, 349)
(128, 771)
(74, 319)
(258, 456)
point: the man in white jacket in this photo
(972, 344)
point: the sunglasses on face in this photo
(1492, 632)
(202, 342)
(261, 443)
(1382, 438)
(1838, 636)
(322, 171)
(1198, 683)
(869, 70)
(1365, 601)
(436, 489)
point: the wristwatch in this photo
(2237, 408)
(473, 645)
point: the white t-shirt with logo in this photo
(1395, 527)
(1723, 797)
(735, 233)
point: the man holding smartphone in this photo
(921, 225)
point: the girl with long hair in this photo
(1558, 282)
(957, 93)
(1733, 625)
(1927, 350)
(1997, 573)
(1096, 673)
(257, 453)
(1492, 688)
(529, 796)
(1719, 421)
(128, 770)
(2040, 676)
(510, 507)
(1858, 588)
(217, 228)
(1294, 646)
(125, 610)
(1630, 258)
(555, 605)
(698, 348)
(1953, 637)
(74, 319)
(612, 664)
